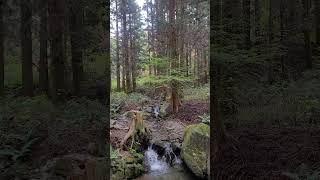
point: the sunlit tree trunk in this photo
(172, 35)
(117, 49)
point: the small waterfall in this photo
(154, 162)
(168, 165)
(170, 157)
(157, 164)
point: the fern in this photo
(24, 151)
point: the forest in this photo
(265, 89)
(159, 89)
(54, 86)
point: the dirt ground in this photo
(170, 128)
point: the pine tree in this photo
(26, 47)
(43, 63)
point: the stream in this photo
(169, 166)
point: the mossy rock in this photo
(195, 149)
(128, 167)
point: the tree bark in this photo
(247, 23)
(2, 35)
(117, 49)
(26, 47)
(317, 18)
(306, 33)
(218, 127)
(56, 27)
(76, 24)
(43, 64)
(172, 35)
(270, 24)
(125, 46)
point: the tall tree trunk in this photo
(117, 49)
(257, 13)
(123, 77)
(317, 18)
(76, 24)
(125, 46)
(247, 23)
(173, 35)
(104, 146)
(187, 60)
(56, 28)
(26, 47)
(282, 60)
(270, 24)
(43, 63)
(2, 34)
(306, 33)
(129, 50)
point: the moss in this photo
(195, 148)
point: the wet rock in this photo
(195, 149)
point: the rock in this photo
(195, 149)
(165, 109)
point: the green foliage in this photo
(205, 118)
(118, 98)
(13, 75)
(82, 110)
(114, 154)
(16, 155)
(201, 93)
(161, 80)
(138, 156)
(161, 63)
(303, 173)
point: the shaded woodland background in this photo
(54, 86)
(264, 89)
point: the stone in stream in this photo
(195, 149)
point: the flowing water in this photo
(167, 167)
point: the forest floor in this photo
(273, 153)
(167, 129)
(39, 132)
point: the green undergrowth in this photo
(25, 123)
(161, 80)
(201, 93)
(283, 105)
(118, 99)
(13, 75)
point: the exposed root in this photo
(137, 126)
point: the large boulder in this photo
(195, 149)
